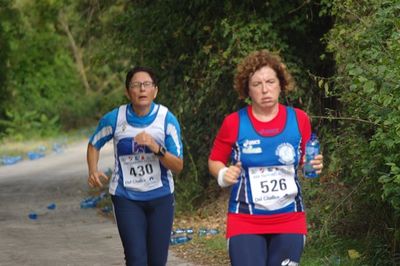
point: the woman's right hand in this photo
(97, 178)
(231, 174)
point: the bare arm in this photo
(170, 161)
(214, 167)
(95, 176)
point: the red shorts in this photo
(289, 223)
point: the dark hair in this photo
(255, 61)
(136, 69)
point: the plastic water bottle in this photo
(34, 215)
(312, 149)
(208, 232)
(179, 240)
(91, 202)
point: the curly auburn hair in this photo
(255, 61)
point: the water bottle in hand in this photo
(312, 149)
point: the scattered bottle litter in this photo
(51, 206)
(41, 148)
(183, 235)
(34, 155)
(182, 231)
(57, 148)
(9, 160)
(39, 152)
(91, 202)
(208, 232)
(106, 209)
(179, 239)
(34, 215)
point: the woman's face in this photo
(264, 88)
(142, 90)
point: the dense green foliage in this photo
(196, 52)
(62, 65)
(7, 17)
(364, 147)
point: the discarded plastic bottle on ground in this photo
(9, 160)
(312, 149)
(208, 232)
(106, 209)
(51, 206)
(57, 148)
(213, 232)
(34, 155)
(178, 231)
(41, 148)
(34, 215)
(202, 232)
(189, 231)
(179, 239)
(91, 202)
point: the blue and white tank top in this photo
(138, 172)
(268, 183)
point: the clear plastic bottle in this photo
(208, 232)
(179, 239)
(312, 149)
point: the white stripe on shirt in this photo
(171, 130)
(101, 134)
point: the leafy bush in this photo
(196, 51)
(365, 41)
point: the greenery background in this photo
(62, 66)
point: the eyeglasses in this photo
(138, 85)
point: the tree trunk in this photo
(76, 52)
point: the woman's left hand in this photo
(317, 163)
(146, 139)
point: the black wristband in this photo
(161, 151)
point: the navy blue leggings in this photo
(268, 250)
(145, 229)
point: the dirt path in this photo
(67, 235)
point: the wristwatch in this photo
(161, 151)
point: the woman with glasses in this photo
(266, 223)
(147, 148)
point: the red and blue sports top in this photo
(267, 198)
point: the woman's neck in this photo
(265, 114)
(141, 110)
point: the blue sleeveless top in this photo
(268, 183)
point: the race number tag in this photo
(141, 172)
(273, 187)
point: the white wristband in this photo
(221, 174)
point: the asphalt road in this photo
(67, 235)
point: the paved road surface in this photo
(68, 235)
